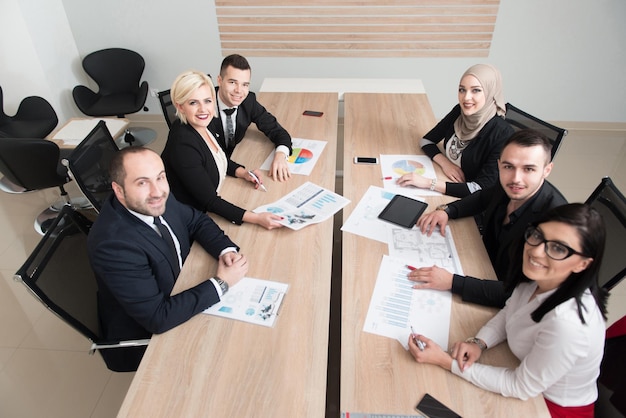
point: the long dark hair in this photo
(590, 227)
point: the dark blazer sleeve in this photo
(251, 111)
(193, 175)
(472, 289)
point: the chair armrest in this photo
(84, 97)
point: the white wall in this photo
(561, 60)
(37, 50)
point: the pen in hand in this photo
(418, 343)
(256, 180)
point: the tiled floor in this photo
(44, 366)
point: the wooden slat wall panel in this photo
(376, 28)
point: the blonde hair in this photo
(185, 84)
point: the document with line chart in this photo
(395, 306)
(306, 205)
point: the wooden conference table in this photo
(215, 367)
(377, 374)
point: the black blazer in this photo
(192, 172)
(251, 111)
(498, 239)
(480, 158)
(135, 273)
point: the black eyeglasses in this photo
(555, 250)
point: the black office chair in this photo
(58, 273)
(519, 119)
(610, 202)
(611, 402)
(88, 164)
(35, 118)
(34, 164)
(168, 108)
(117, 72)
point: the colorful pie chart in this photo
(403, 167)
(300, 155)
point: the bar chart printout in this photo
(395, 306)
(306, 205)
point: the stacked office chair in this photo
(59, 275)
(89, 162)
(34, 164)
(35, 118)
(611, 203)
(117, 72)
(519, 119)
(168, 108)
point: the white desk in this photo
(343, 85)
(76, 129)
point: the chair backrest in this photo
(58, 273)
(4, 118)
(519, 119)
(31, 163)
(610, 202)
(89, 164)
(116, 70)
(168, 108)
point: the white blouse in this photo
(560, 356)
(220, 160)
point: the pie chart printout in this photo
(300, 155)
(402, 167)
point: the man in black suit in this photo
(508, 208)
(136, 261)
(238, 108)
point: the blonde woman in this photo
(195, 163)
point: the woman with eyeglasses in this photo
(554, 322)
(473, 134)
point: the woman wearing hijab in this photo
(473, 133)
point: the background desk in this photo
(214, 367)
(76, 129)
(343, 85)
(377, 374)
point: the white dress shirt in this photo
(560, 356)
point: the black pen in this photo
(420, 344)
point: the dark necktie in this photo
(230, 127)
(167, 237)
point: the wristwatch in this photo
(478, 342)
(223, 285)
(443, 208)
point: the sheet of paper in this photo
(395, 306)
(420, 250)
(251, 300)
(304, 155)
(395, 166)
(364, 218)
(76, 130)
(306, 205)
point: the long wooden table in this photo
(215, 367)
(377, 374)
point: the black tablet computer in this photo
(403, 211)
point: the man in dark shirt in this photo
(508, 207)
